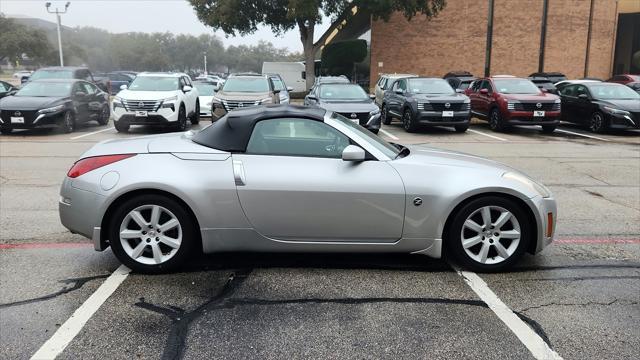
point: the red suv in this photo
(624, 78)
(508, 100)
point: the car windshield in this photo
(154, 83)
(342, 92)
(44, 89)
(465, 84)
(373, 139)
(613, 92)
(52, 74)
(205, 89)
(515, 86)
(246, 84)
(277, 83)
(430, 86)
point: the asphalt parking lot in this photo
(580, 295)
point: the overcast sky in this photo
(176, 16)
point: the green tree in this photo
(244, 16)
(340, 57)
(17, 40)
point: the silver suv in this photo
(244, 90)
(385, 82)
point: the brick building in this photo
(518, 37)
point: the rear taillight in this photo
(85, 165)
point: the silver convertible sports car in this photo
(297, 179)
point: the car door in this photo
(395, 98)
(192, 95)
(582, 108)
(568, 98)
(293, 185)
(380, 88)
(81, 101)
(94, 99)
(484, 100)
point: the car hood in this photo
(531, 97)
(161, 143)
(28, 102)
(145, 95)
(629, 105)
(440, 97)
(345, 106)
(434, 156)
(242, 96)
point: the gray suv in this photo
(425, 101)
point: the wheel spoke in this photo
(157, 254)
(169, 225)
(486, 216)
(501, 250)
(174, 243)
(155, 215)
(484, 251)
(502, 219)
(473, 225)
(467, 243)
(137, 251)
(137, 217)
(130, 234)
(510, 234)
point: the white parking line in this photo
(538, 348)
(65, 334)
(393, 137)
(487, 135)
(91, 133)
(579, 134)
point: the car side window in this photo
(296, 137)
(383, 83)
(89, 88)
(569, 90)
(3, 88)
(181, 83)
(486, 85)
(79, 88)
(187, 81)
(402, 84)
(581, 89)
(476, 85)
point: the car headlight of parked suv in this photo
(614, 111)
(169, 103)
(117, 102)
(52, 110)
(374, 112)
(535, 186)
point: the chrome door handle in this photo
(238, 173)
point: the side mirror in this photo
(544, 90)
(399, 92)
(583, 97)
(372, 96)
(289, 88)
(276, 91)
(312, 97)
(484, 91)
(186, 88)
(353, 153)
(123, 87)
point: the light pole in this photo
(58, 13)
(205, 63)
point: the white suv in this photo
(164, 99)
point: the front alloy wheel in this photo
(495, 120)
(386, 119)
(196, 116)
(68, 122)
(408, 122)
(597, 123)
(182, 119)
(103, 118)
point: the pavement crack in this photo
(77, 283)
(584, 304)
(585, 278)
(231, 303)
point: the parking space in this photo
(580, 296)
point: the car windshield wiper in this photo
(403, 152)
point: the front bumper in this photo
(435, 118)
(50, 120)
(542, 207)
(617, 121)
(373, 123)
(163, 116)
(527, 118)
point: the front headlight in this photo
(374, 112)
(613, 111)
(557, 101)
(173, 98)
(117, 100)
(51, 109)
(215, 99)
(530, 183)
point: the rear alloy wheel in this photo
(548, 129)
(103, 118)
(151, 234)
(597, 123)
(386, 119)
(195, 119)
(489, 234)
(408, 122)
(461, 128)
(68, 122)
(182, 119)
(495, 120)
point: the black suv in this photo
(459, 80)
(425, 101)
(554, 77)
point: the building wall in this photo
(456, 38)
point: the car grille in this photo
(232, 105)
(442, 106)
(363, 117)
(533, 106)
(29, 116)
(141, 105)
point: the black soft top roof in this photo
(232, 131)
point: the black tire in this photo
(386, 118)
(189, 233)
(103, 117)
(182, 119)
(408, 122)
(495, 120)
(6, 130)
(548, 129)
(597, 122)
(68, 122)
(120, 126)
(453, 236)
(461, 128)
(195, 119)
